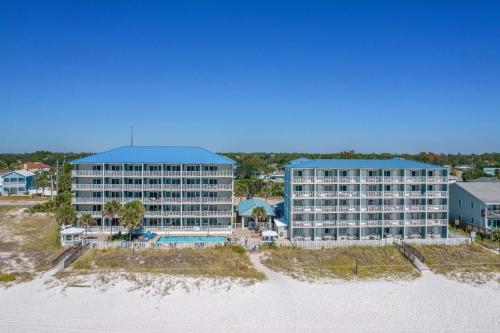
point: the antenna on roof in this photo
(131, 136)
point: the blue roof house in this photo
(245, 210)
(18, 182)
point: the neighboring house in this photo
(365, 199)
(476, 203)
(490, 171)
(245, 210)
(182, 188)
(18, 182)
(36, 167)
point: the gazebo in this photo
(245, 210)
(71, 236)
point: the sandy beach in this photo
(431, 303)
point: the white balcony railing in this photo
(348, 194)
(348, 223)
(303, 180)
(394, 194)
(371, 194)
(348, 208)
(219, 173)
(393, 208)
(325, 209)
(153, 186)
(92, 213)
(87, 173)
(191, 174)
(79, 187)
(420, 222)
(437, 208)
(130, 173)
(370, 179)
(171, 173)
(218, 200)
(326, 179)
(437, 222)
(415, 179)
(152, 173)
(437, 194)
(414, 194)
(415, 208)
(394, 179)
(303, 194)
(348, 179)
(371, 208)
(326, 194)
(86, 200)
(437, 179)
(303, 209)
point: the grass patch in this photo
(7, 277)
(372, 263)
(29, 243)
(444, 259)
(227, 261)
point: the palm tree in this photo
(131, 216)
(112, 210)
(259, 214)
(240, 190)
(41, 181)
(266, 191)
(86, 220)
(65, 215)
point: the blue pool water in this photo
(188, 239)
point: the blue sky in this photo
(309, 76)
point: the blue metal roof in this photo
(395, 163)
(245, 207)
(156, 154)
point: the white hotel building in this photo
(182, 188)
(365, 199)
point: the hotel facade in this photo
(182, 188)
(365, 199)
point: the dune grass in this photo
(29, 243)
(343, 263)
(444, 259)
(227, 262)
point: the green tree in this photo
(497, 173)
(131, 216)
(240, 189)
(266, 191)
(63, 199)
(111, 211)
(41, 181)
(278, 189)
(259, 214)
(65, 215)
(3, 165)
(65, 178)
(85, 221)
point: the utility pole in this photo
(131, 136)
(57, 173)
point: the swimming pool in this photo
(190, 239)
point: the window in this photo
(472, 220)
(387, 173)
(472, 204)
(459, 202)
(459, 216)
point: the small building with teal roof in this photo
(245, 209)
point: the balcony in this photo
(303, 180)
(415, 208)
(393, 208)
(303, 209)
(371, 223)
(191, 173)
(493, 213)
(302, 224)
(394, 179)
(226, 200)
(113, 173)
(79, 187)
(219, 173)
(348, 223)
(219, 213)
(437, 208)
(437, 179)
(326, 194)
(113, 187)
(93, 213)
(137, 187)
(171, 186)
(326, 179)
(153, 173)
(437, 194)
(130, 173)
(325, 223)
(437, 222)
(415, 179)
(348, 194)
(87, 173)
(347, 209)
(414, 194)
(302, 194)
(217, 187)
(172, 213)
(370, 179)
(371, 208)
(394, 194)
(86, 200)
(191, 200)
(153, 186)
(325, 209)
(171, 173)
(371, 194)
(348, 179)
(151, 213)
(392, 223)
(415, 222)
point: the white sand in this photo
(429, 304)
